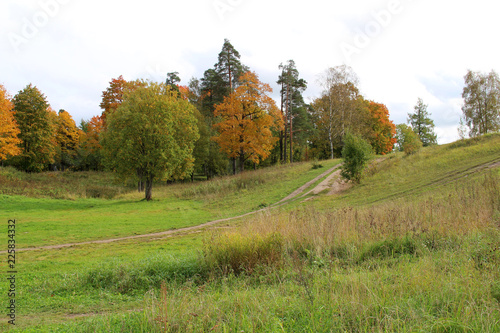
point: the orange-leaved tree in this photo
(90, 148)
(112, 97)
(90, 139)
(9, 142)
(248, 117)
(383, 130)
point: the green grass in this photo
(397, 176)
(59, 284)
(45, 221)
(413, 248)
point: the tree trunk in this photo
(285, 141)
(149, 189)
(140, 183)
(282, 134)
(289, 117)
(234, 165)
(242, 161)
(291, 138)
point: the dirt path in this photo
(301, 189)
(333, 183)
(162, 234)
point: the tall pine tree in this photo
(229, 66)
(293, 107)
(216, 84)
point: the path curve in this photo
(282, 202)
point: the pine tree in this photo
(422, 124)
(292, 105)
(216, 84)
(229, 66)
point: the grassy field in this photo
(414, 248)
(45, 220)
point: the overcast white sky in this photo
(400, 49)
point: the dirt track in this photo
(167, 233)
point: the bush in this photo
(316, 164)
(356, 153)
(407, 140)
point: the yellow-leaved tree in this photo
(9, 142)
(248, 117)
(67, 138)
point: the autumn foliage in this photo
(67, 137)
(236, 120)
(112, 97)
(248, 117)
(90, 139)
(383, 132)
(9, 142)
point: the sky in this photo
(401, 50)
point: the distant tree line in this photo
(221, 123)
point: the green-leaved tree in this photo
(481, 109)
(356, 154)
(151, 135)
(36, 130)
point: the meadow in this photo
(414, 248)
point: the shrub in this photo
(356, 153)
(407, 140)
(316, 164)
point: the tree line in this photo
(221, 123)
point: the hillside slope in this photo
(413, 248)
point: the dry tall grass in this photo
(452, 212)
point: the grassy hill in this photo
(415, 247)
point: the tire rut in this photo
(192, 229)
